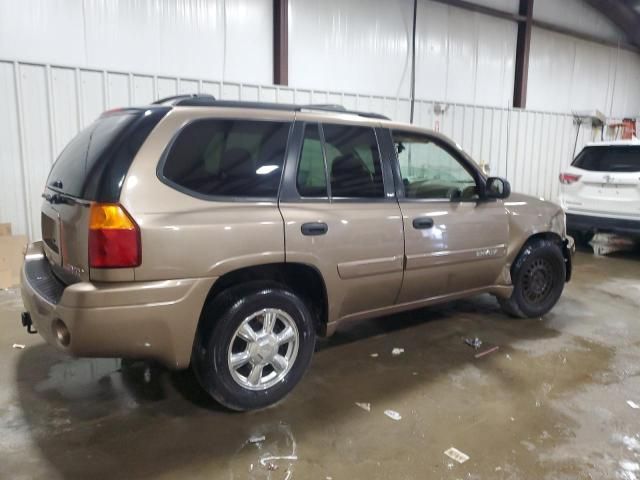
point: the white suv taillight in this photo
(569, 178)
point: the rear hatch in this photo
(608, 183)
(91, 168)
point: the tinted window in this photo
(609, 159)
(353, 161)
(229, 158)
(430, 171)
(311, 179)
(72, 169)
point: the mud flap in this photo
(568, 249)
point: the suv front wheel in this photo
(254, 345)
(538, 276)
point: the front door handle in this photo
(422, 223)
(314, 228)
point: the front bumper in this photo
(151, 320)
(589, 223)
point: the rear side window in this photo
(234, 158)
(609, 159)
(353, 161)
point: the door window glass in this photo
(430, 171)
(312, 178)
(353, 160)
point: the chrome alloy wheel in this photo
(263, 349)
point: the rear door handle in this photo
(314, 228)
(421, 223)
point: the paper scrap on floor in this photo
(456, 455)
(393, 415)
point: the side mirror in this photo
(497, 187)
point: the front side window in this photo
(431, 172)
(353, 161)
(311, 179)
(235, 158)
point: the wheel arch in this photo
(549, 236)
(304, 280)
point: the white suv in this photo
(600, 191)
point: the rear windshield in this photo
(234, 158)
(609, 159)
(93, 165)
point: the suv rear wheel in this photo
(254, 346)
(538, 277)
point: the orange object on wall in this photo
(629, 129)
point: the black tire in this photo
(221, 317)
(538, 276)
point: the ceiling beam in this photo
(628, 17)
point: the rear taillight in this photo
(569, 178)
(114, 238)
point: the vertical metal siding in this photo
(567, 74)
(196, 38)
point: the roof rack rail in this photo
(205, 100)
(177, 99)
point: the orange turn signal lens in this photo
(114, 237)
(109, 216)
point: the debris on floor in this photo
(487, 352)
(374, 355)
(397, 351)
(365, 406)
(473, 342)
(18, 345)
(393, 415)
(266, 461)
(257, 439)
(606, 243)
(632, 404)
(456, 455)
(271, 466)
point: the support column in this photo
(522, 54)
(281, 42)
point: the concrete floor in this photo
(550, 403)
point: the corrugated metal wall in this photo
(461, 56)
(43, 106)
(225, 39)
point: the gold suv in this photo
(228, 235)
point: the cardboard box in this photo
(5, 229)
(11, 257)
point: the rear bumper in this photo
(151, 320)
(589, 223)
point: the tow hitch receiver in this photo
(26, 322)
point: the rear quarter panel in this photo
(187, 237)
